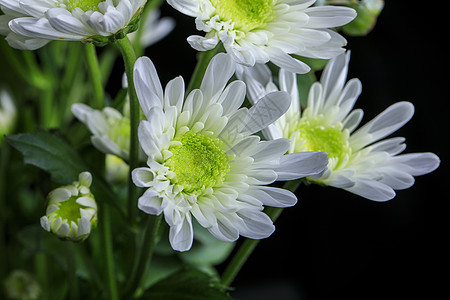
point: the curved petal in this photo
(147, 84)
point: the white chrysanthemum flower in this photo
(358, 161)
(71, 210)
(258, 31)
(8, 114)
(33, 23)
(153, 28)
(203, 159)
(110, 128)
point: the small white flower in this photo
(204, 160)
(258, 31)
(71, 210)
(8, 114)
(153, 28)
(110, 129)
(33, 23)
(358, 161)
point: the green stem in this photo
(203, 60)
(144, 256)
(108, 250)
(247, 247)
(95, 75)
(129, 58)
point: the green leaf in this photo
(187, 285)
(50, 153)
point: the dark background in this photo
(333, 243)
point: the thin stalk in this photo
(144, 255)
(95, 75)
(129, 58)
(108, 250)
(203, 60)
(247, 247)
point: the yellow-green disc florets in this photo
(120, 133)
(245, 14)
(199, 162)
(83, 4)
(316, 135)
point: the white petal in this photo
(301, 164)
(266, 111)
(87, 201)
(187, 7)
(224, 230)
(148, 85)
(372, 190)
(201, 43)
(174, 93)
(272, 196)
(257, 224)
(218, 72)
(25, 43)
(62, 20)
(182, 235)
(45, 223)
(391, 119)
(418, 163)
(151, 203)
(143, 177)
(329, 16)
(40, 28)
(232, 97)
(268, 151)
(85, 178)
(334, 76)
(84, 226)
(285, 61)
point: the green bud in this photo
(71, 210)
(368, 11)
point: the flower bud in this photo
(71, 210)
(368, 11)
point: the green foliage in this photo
(187, 285)
(50, 153)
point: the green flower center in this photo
(83, 4)
(70, 210)
(199, 162)
(246, 14)
(120, 133)
(319, 137)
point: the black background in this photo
(333, 243)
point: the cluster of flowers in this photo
(203, 157)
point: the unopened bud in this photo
(71, 210)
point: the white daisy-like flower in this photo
(359, 161)
(204, 160)
(258, 31)
(110, 129)
(71, 210)
(33, 23)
